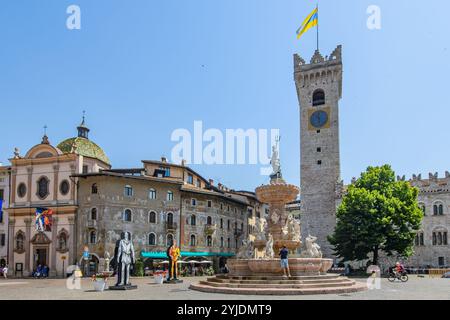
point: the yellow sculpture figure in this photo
(174, 255)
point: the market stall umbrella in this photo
(205, 262)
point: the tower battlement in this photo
(321, 70)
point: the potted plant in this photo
(99, 281)
(159, 276)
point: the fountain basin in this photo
(272, 267)
(238, 267)
(277, 192)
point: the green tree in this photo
(378, 214)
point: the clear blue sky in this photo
(144, 68)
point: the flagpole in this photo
(318, 26)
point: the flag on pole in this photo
(311, 21)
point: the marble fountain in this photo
(256, 270)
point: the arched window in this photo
(128, 191)
(221, 223)
(94, 214)
(445, 239)
(169, 196)
(318, 97)
(209, 241)
(42, 187)
(93, 237)
(152, 217)
(435, 210)
(221, 242)
(242, 226)
(193, 220)
(169, 240)
(152, 194)
(434, 239)
(423, 208)
(229, 243)
(170, 219)
(127, 215)
(441, 210)
(152, 239)
(439, 242)
(229, 225)
(193, 242)
(209, 221)
(419, 239)
(94, 189)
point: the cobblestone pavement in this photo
(55, 289)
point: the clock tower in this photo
(319, 89)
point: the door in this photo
(41, 257)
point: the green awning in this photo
(163, 255)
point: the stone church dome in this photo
(83, 146)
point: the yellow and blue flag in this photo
(311, 21)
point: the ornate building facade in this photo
(43, 178)
(4, 198)
(432, 247)
(158, 204)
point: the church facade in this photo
(4, 199)
(42, 179)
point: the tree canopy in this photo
(377, 214)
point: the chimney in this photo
(183, 163)
(163, 159)
(219, 186)
(211, 182)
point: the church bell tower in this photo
(319, 89)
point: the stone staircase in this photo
(276, 285)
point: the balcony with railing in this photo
(171, 226)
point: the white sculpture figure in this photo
(260, 230)
(275, 161)
(270, 254)
(125, 258)
(312, 249)
(246, 251)
(275, 217)
(297, 231)
(107, 260)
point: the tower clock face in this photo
(319, 119)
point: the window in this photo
(127, 215)
(152, 194)
(193, 242)
(166, 171)
(94, 214)
(152, 217)
(64, 187)
(438, 209)
(152, 239)
(423, 208)
(2, 194)
(93, 237)
(209, 241)
(419, 239)
(242, 226)
(228, 208)
(170, 219)
(221, 206)
(229, 243)
(319, 149)
(209, 221)
(445, 240)
(434, 239)
(193, 202)
(318, 97)
(193, 220)
(221, 223)
(209, 204)
(199, 183)
(441, 261)
(169, 240)
(229, 225)
(128, 191)
(2, 240)
(42, 187)
(441, 210)
(169, 196)
(221, 242)
(190, 179)
(94, 189)
(319, 162)
(85, 169)
(236, 243)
